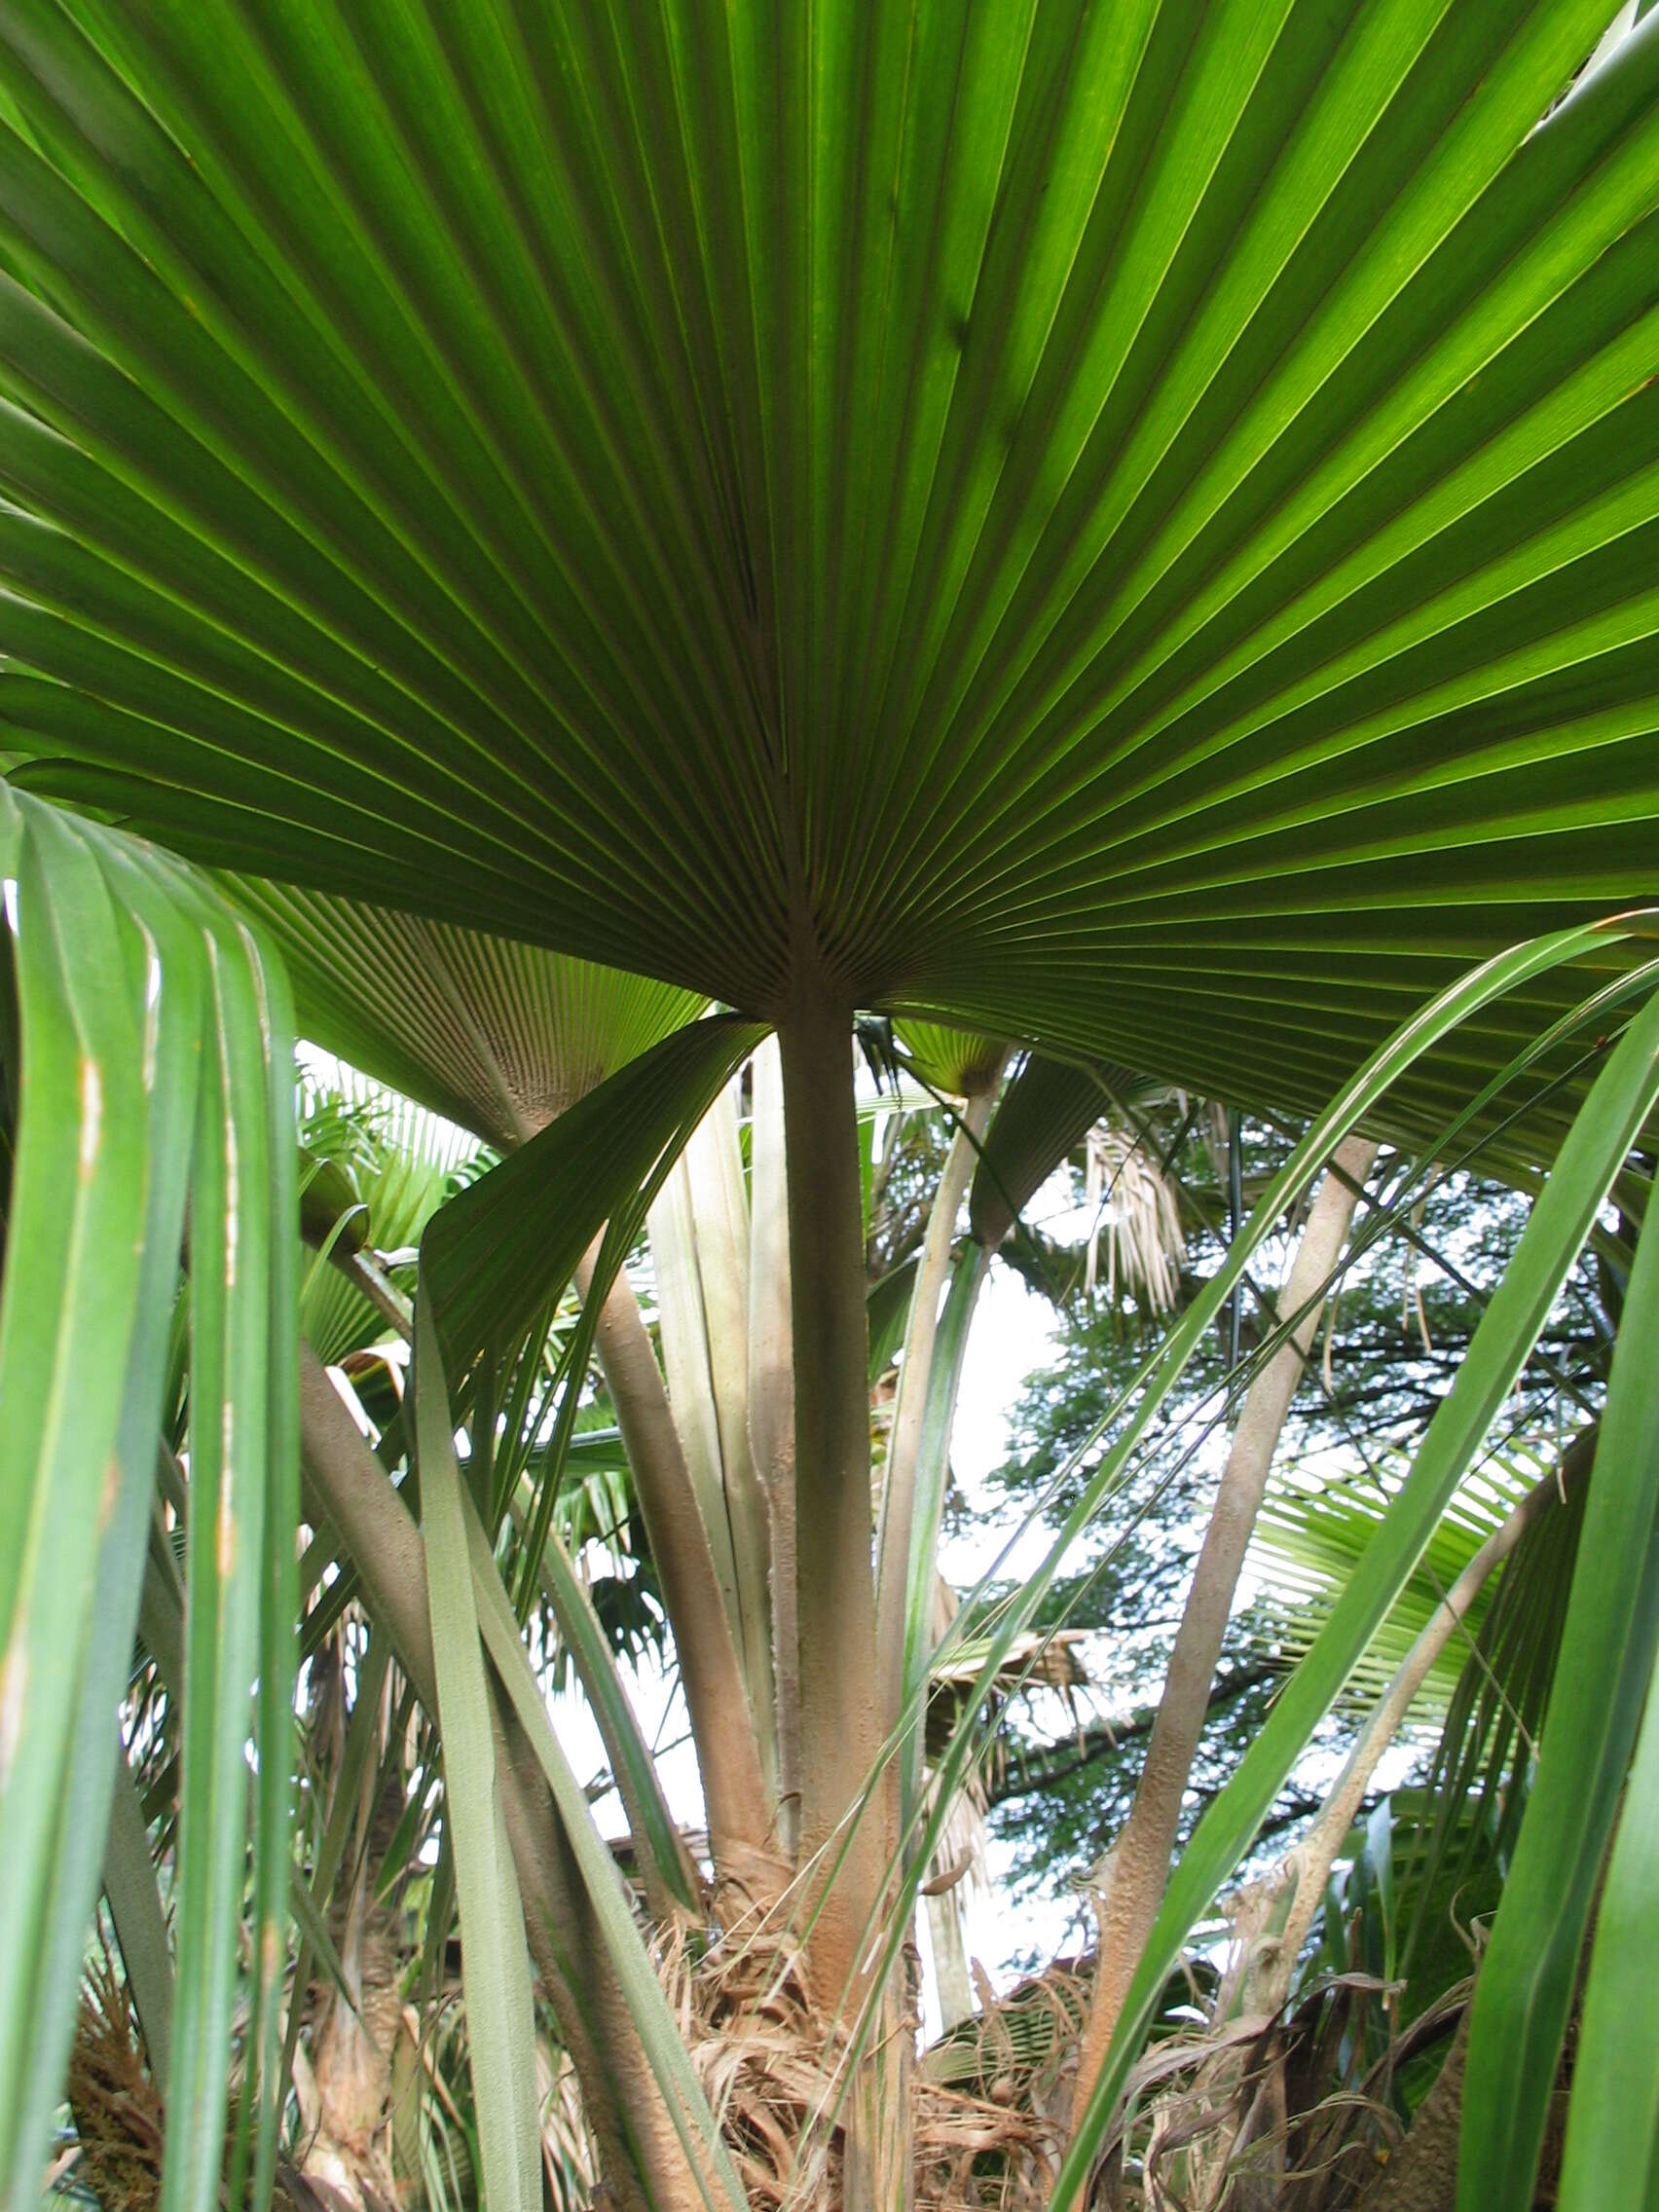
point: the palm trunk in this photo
(846, 1850)
(1138, 1866)
(645, 2166)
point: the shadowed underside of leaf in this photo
(1125, 528)
(502, 1037)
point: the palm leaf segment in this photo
(498, 1036)
(1107, 526)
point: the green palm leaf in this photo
(500, 1037)
(1605, 1664)
(1082, 523)
(1311, 1537)
(156, 1037)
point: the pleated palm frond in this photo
(498, 1036)
(1119, 526)
(958, 1061)
(1311, 1537)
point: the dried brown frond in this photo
(1135, 1208)
(992, 2096)
(986, 2104)
(767, 2064)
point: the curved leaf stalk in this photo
(741, 1817)
(141, 1927)
(771, 1408)
(700, 1244)
(683, 1332)
(720, 1224)
(494, 1966)
(1131, 1880)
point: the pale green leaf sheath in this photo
(494, 1960)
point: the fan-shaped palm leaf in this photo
(1117, 527)
(1231, 613)
(502, 1037)
(1311, 1537)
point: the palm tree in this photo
(1114, 529)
